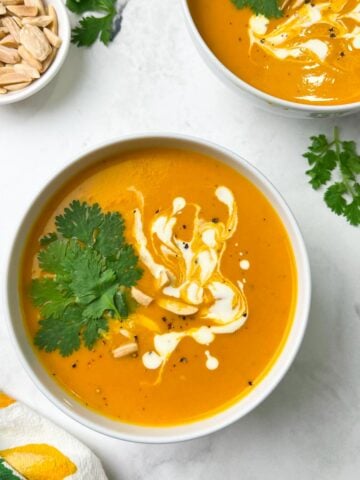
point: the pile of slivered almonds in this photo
(29, 42)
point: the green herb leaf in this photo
(46, 239)
(79, 221)
(49, 296)
(92, 28)
(334, 198)
(126, 266)
(352, 212)
(121, 304)
(340, 158)
(84, 6)
(111, 236)
(102, 304)
(268, 8)
(89, 277)
(62, 335)
(93, 330)
(87, 268)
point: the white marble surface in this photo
(151, 79)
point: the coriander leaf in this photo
(52, 258)
(126, 266)
(319, 176)
(89, 268)
(111, 235)
(334, 198)
(102, 304)
(341, 158)
(93, 330)
(323, 162)
(319, 144)
(47, 295)
(352, 212)
(121, 304)
(46, 239)
(61, 334)
(89, 279)
(268, 8)
(80, 221)
(59, 258)
(83, 6)
(91, 28)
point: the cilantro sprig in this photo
(92, 28)
(87, 270)
(268, 8)
(335, 157)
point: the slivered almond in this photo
(27, 70)
(17, 21)
(2, 9)
(12, 2)
(54, 24)
(7, 69)
(29, 58)
(141, 297)
(23, 11)
(16, 86)
(9, 55)
(9, 41)
(42, 21)
(13, 78)
(125, 333)
(179, 308)
(35, 3)
(53, 39)
(3, 32)
(48, 61)
(13, 28)
(35, 42)
(125, 350)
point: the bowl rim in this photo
(39, 83)
(186, 431)
(204, 50)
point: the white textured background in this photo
(151, 79)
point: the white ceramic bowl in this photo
(263, 100)
(124, 431)
(38, 84)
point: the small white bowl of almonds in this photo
(34, 42)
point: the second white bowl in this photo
(263, 100)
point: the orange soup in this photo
(158, 286)
(309, 55)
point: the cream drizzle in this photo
(244, 264)
(287, 39)
(189, 272)
(212, 363)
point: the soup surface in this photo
(214, 302)
(310, 55)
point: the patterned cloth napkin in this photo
(33, 448)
